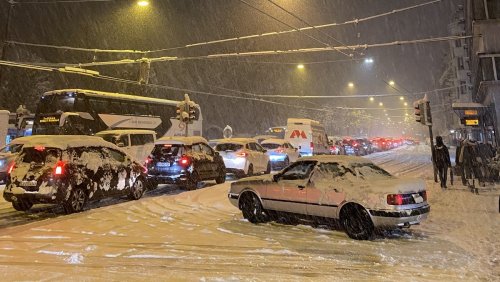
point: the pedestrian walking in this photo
(442, 160)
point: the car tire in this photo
(250, 170)
(76, 201)
(192, 181)
(252, 209)
(268, 169)
(22, 205)
(152, 184)
(221, 178)
(286, 162)
(137, 189)
(356, 222)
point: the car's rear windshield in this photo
(228, 147)
(271, 146)
(40, 155)
(167, 150)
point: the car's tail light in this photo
(395, 199)
(279, 150)
(312, 146)
(184, 161)
(148, 160)
(11, 168)
(59, 168)
(242, 154)
(40, 148)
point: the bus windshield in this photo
(54, 103)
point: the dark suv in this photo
(184, 161)
(71, 170)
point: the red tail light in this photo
(279, 150)
(395, 199)
(184, 161)
(59, 168)
(11, 167)
(148, 160)
(40, 148)
(312, 146)
(242, 154)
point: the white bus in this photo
(86, 112)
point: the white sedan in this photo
(243, 156)
(350, 190)
(281, 152)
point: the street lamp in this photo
(300, 66)
(401, 98)
(391, 83)
(406, 104)
(368, 61)
(351, 85)
(143, 3)
(381, 104)
(372, 99)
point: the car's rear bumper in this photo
(399, 218)
(237, 163)
(233, 198)
(20, 194)
(169, 179)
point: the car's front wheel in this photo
(356, 222)
(221, 178)
(76, 201)
(268, 169)
(252, 208)
(22, 205)
(137, 189)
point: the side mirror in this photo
(120, 144)
(265, 151)
(276, 177)
(216, 153)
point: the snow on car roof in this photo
(21, 140)
(274, 141)
(190, 140)
(68, 141)
(337, 159)
(240, 141)
(120, 96)
(126, 131)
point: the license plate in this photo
(161, 164)
(417, 198)
(28, 183)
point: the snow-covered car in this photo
(71, 170)
(184, 161)
(281, 152)
(138, 143)
(244, 156)
(8, 153)
(350, 190)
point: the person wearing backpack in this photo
(442, 160)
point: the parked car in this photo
(244, 156)
(71, 170)
(351, 190)
(136, 142)
(184, 161)
(281, 152)
(8, 154)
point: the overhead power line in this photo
(253, 36)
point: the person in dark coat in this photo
(442, 160)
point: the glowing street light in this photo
(368, 61)
(381, 104)
(372, 99)
(406, 104)
(401, 98)
(351, 85)
(391, 83)
(300, 66)
(143, 3)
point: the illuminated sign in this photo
(471, 122)
(277, 130)
(49, 119)
(470, 112)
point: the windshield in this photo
(228, 147)
(40, 155)
(271, 146)
(12, 148)
(53, 103)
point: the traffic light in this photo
(180, 110)
(192, 111)
(427, 113)
(418, 112)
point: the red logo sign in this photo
(298, 134)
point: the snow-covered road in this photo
(176, 235)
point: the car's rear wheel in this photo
(252, 208)
(221, 178)
(22, 205)
(192, 181)
(76, 201)
(137, 189)
(356, 222)
(286, 162)
(250, 170)
(268, 169)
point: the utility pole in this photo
(4, 43)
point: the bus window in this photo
(54, 103)
(115, 107)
